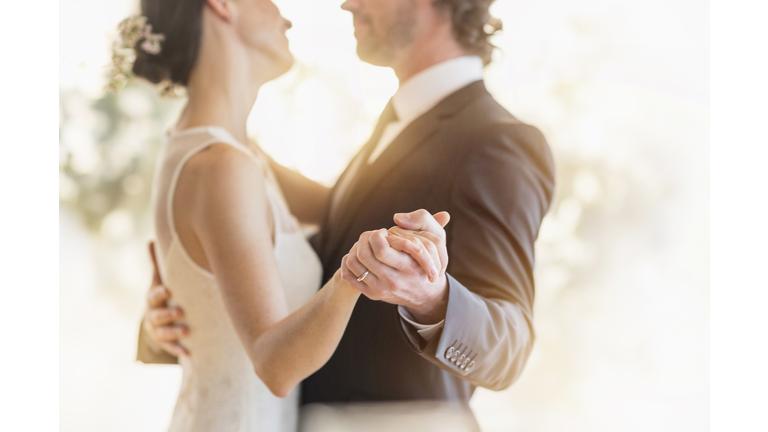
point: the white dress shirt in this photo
(415, 97)
(426, 89)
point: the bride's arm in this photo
(221, 193)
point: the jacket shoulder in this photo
(485, 122)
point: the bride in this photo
(229, 248)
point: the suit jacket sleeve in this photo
(497, 204)
(150, 352)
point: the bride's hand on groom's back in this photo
(405, 265)
(159, 319)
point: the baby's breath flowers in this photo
(132, 30)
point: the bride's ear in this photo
(223, 9)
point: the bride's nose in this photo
(288, 24)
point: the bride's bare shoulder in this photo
(221, 172)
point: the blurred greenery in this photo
(107, 150)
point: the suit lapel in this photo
(410, 139)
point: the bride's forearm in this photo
(302, 342)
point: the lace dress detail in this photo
(220, 390)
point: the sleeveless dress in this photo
(220, 390)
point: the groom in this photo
(442, 143)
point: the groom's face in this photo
(382, 27)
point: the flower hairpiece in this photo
(132, 30)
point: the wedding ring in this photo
(360, 279)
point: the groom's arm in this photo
(476, 323)
(498, 202)
(306, 198)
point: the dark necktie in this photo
(346, 183)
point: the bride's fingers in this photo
(437, 247)
(162, 316)
(441, 258)
(432, 252)
(354, 264)
(417, 251)
(157, 296)
(351, 278)
(403, 244)
(175, 349)
(170, 333)
(382, 253)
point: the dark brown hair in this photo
(473, 25)
(181, 21)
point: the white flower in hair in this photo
(152, 41)
(132, 30)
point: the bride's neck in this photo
(221, 92)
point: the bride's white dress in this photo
(220, 390)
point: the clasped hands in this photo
(404, 265)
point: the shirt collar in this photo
(424, 90)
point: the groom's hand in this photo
(394, 276)
(159, 320)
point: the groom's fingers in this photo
(442, 218)
(422, 220)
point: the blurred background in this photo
(619, 88)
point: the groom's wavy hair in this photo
(473, 25)
(181, 21)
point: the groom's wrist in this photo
(432, 310)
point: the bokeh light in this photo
(620, 90)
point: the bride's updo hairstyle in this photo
(181, 21)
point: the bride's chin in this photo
(285, 62)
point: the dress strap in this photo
(214, 135)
